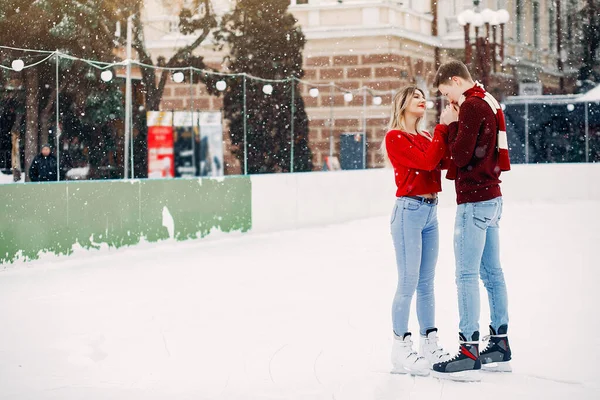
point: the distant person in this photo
(479, 150)
(43, 166)
(416, 156)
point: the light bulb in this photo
(18, 65)
(221, 85)
(268, 89)
(106, 76)
(178, 77)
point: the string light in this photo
(178, 76)
(268, 89)
(18, 65)
(221, 86)
(106, 76)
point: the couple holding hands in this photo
(470, 142)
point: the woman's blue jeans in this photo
(414, 228)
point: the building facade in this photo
(382, 45)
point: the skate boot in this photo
(431, 350)
(405, 360)
(464, 366)
(497, 355)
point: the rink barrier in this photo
(284, 201)
(58, 217)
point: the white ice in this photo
(295, 315)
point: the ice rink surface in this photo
(294, 315)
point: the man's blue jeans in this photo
(414, 227)
(477, 254)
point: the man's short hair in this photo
(450, 69)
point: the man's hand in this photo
(449, 114)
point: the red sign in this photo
(161, 162)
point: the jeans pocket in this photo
(394, 212)
(411, 205)
(484, 214)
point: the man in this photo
(479, 151)
(43, 167)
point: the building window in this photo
(536, 24)
(174, 26)
(298, 2)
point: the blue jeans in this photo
(414, 227)
(477, 254)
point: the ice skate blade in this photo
(462, 376)
(497, 367)
(406, 371)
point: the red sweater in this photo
(472, 143)
(416, 161)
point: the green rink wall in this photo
(60, 216)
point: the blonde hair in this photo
(400, 103)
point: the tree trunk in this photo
(16, 148)
(44, 127)
(45, 119)
(32, 112)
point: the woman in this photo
(416, 157)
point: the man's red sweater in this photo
(416, 161)
(472, 144)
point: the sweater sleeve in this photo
(446, 160)
(462, 136)
(405, 153)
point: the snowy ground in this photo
(296, 315)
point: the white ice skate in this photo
(405, 360)
(431, 350)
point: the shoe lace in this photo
(412, 351)
(409, 344)
(439, 351)
(455, 356)
(486, 338)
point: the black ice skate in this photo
(464, 366)
(497, 355)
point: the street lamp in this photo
(483, 54)
(503, 18)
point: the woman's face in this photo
(416, 105)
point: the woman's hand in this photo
(449, 114)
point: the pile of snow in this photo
(78, 173)
(8, 178)
(591, 96)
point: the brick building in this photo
(379, 44)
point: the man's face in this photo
(451, 90)
(46, 151)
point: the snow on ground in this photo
(8, 178)
(294, 315)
